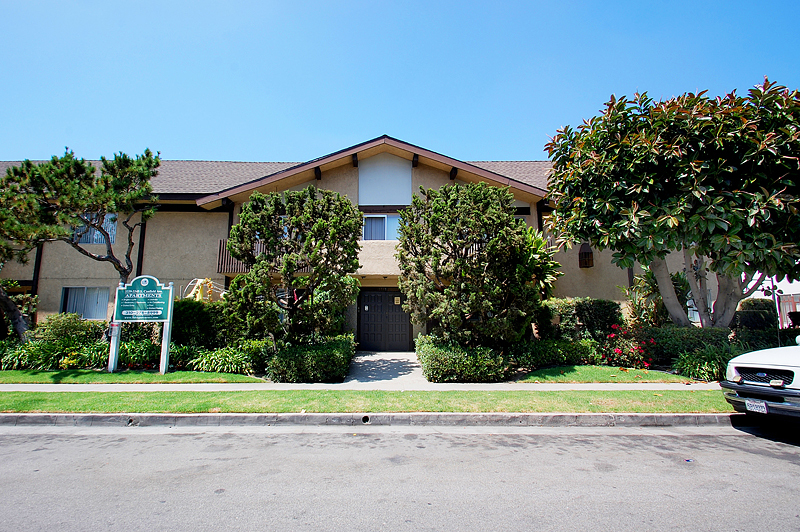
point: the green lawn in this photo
(683, 401)
(600, 374)
(92, 376)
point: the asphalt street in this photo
(399, 478)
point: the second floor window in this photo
(93, 236)
(375, 228)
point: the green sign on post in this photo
(143, 299)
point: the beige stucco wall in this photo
(178, 247)
(181, 246)
(600, 281)
(377, 258)
(18, 271)
(427, 177)
(343, 179)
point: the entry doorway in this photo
(382, 323)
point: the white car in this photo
(765, 382)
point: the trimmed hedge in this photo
(672, 341)
(449, 362)
(579, 318)
(543, 353)
(326, 361)
(756, 339)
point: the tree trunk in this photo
(667, 289)
(696, 275)
(730, 293)
(16, 318)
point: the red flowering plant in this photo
(622, 348)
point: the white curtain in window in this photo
(91, 303)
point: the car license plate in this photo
(752, 405)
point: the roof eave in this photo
(344, 156)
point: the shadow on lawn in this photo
(57, 377)
(555, 371)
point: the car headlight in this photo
(730, 373)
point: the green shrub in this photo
(139, 332)
(258, 351)
(598, 316)
(627, 348)
(563, 312)
(543, 353)
(93, 355)
(7, 346)
(247, 357)
(670, 341)
(181, 355)
(543, 319)
(327, 361)
(707, 363)
(193, 324)
(34, 354)
(223, 360)
(449, 362)
(69, 329)
(53, 355)
(139, 354)
(579, 318)
(757, 314)
(765, 339)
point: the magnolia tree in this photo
(302, 247)
(469, 267)
(64, 199)
(712, 179)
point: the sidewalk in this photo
(368, 371)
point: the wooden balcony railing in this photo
(228, 265)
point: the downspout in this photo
(140, 255)
(37, 269)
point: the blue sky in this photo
(290, 81)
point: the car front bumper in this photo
(779, 401)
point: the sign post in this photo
(142, 300)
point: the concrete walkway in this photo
(368, 371)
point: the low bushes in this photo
(223, 360)
(449, 362)
(671, 341)
(324, 361)
(248, 357)
(627, 348)
(707, 363)
(139, 354)
(68, 329)
(578, 318)
(543, 353)
(764, 339)
(754, 313)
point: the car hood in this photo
(777, 356)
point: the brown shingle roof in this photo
(208, 177)
(530, 172)
(197, 177)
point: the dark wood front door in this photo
(383, 326)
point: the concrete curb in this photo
(380, 419)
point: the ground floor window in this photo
(90, 302)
